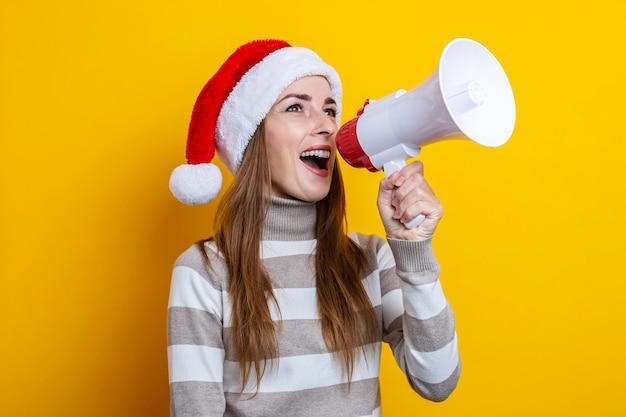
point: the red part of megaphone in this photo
(349, 147)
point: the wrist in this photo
(413, 255)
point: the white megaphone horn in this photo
(468, 97)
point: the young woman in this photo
(281, 313)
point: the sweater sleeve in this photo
(194, 334)
(420, 327)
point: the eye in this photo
(294, 108)
(331, 111)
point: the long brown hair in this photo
(348, 320)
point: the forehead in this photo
(315, 84)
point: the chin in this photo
(303, 189)
(311, 197)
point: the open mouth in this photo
(317, 159)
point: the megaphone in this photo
(467, 97)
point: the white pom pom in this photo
(196, 184)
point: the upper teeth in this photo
(318, 154)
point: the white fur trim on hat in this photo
(257, 91)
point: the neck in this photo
(290, 220)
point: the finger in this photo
(431, 210)
(415, 187)
(415, 167)
(408, 203)
(392, 181)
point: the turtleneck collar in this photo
(290, 220)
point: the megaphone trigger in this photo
(393, 166)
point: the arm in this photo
(194, 332)
(420, 326)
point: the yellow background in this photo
(95, 98)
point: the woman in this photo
(281, 313)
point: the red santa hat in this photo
(231, 106)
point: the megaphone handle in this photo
(394, 166)
(412, 224)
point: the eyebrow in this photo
(306, 97)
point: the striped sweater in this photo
(306, 380)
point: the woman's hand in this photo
(403, 196)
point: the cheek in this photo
(281, 143)
(280, 160)
(277, 138)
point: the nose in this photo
(326, 125)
